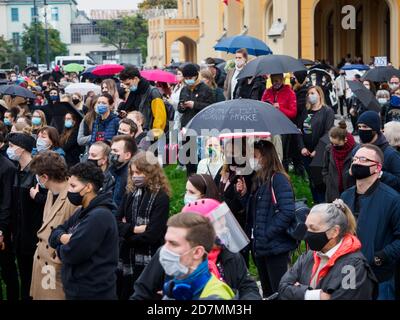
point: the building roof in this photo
(111, 14)
(39, 2)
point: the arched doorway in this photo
(332, 42)
(186, 48)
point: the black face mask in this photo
(114, 160)
(75, 198)
(95, 162)
(316, 240)
(338, 148)
(360, 172)
(75, 101)
(366, 136)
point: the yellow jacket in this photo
(216, 289)
(159, 117)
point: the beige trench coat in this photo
(46, 264)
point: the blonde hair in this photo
(321, 94)
(147, 163)
(392, 133)
(206, 74)
(42, 117)
(136, 114)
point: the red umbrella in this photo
(158, 75)
(107, 70)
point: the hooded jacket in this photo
(108, 126)
(286, 98)
(332, 276)
(90, 259)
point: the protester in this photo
(7, 256)
(270, 211)
(87, 243)
(140, 137)
(105, 126)
(77, 101)
(214, 158)
(142, 219)
(10, 117)
(98, 154)
(225, 265)
(175, 96)
(369, 128)
(123, 149)
(27, 214)
(51, 173)
(394, 84)
(341, 87)
(86, 125)
(393, 108)
(200, 186)
(38, 122)
(337, 161)
(376, 207)
(109, 86)
(392, 134)
(315, 129)
(48, 139)
(208, 78)
(231, 81)
(318, 274)
(188, 239)
(69, 139)
(218, 75)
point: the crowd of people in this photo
(85, 202)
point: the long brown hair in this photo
(91, 113)
(155, 178)
(206, 185)
(68, 131)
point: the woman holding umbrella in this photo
(315, 128)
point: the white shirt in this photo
(234, 81)
(316, 294)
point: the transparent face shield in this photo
(227, 229)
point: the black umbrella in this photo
(18, 91)
(366, 97)
(307, 62)
(242, 114)
(271, 64)
(381, 74)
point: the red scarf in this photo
(340, 156)
(212, 261)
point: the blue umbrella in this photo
(88, 73)
(253, 45)
(360, 67)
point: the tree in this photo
(9, 56)
(150, 4)
(129, 32)
(5, 50)
(56, 46)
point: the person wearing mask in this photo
(394, 84)
(315, 128)
(48, 139)
(127, 127)
(105, 126)
(87, 243)
(123, 149)
(200, 186)
(271, 209)
(224, 264)
(341, 87)
(10, 117)
(337, 161)
(231, 81)
(86, 126)
(318, 274)
(53, 112)
(392, 134)
(369, 129)
(77, 101)
(376, 207)
(383, 97)
(142, 219)
(69, 139)
(175, 95)
(27, 214)
(214, 158)
(99, 153)
(51, 173)
(109, 86)
(195, 96)
(140, 136)
(7, 256)
(189, 238)
(3, 139)
(144, 98)
(208, 79)
(38, 122)
(218, 75)
(393, 107)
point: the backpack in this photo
(297, 228)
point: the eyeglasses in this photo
(364, 160)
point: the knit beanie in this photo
(370, 119)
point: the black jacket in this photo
(7, 174)
(72, 149)
(109, 182)
(202, 96)
(90, 259)
(366, 283)
(301, 98)
(27, 213)
(121, 178)
(235, 274)
(253, 90)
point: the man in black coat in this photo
(235, 274)
(87, 243)
(7, 258)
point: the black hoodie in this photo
(90, 258)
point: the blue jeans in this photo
(386, 290)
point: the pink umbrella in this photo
(158, 75)
(107, 70)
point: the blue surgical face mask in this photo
(41, 145)
(68, 124)
(36, 121)
(54, 98)
(101, 109)
(12, 155)
(133, 88)
(171, 263)
(39, 183)
(7, 122)
(313, 99)
(190, 82)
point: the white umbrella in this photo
(82, 88)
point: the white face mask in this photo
(171, 263)
(239, 64)
(382, 100)
(189, 198)
(255, 164)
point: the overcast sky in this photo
(87, 5)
